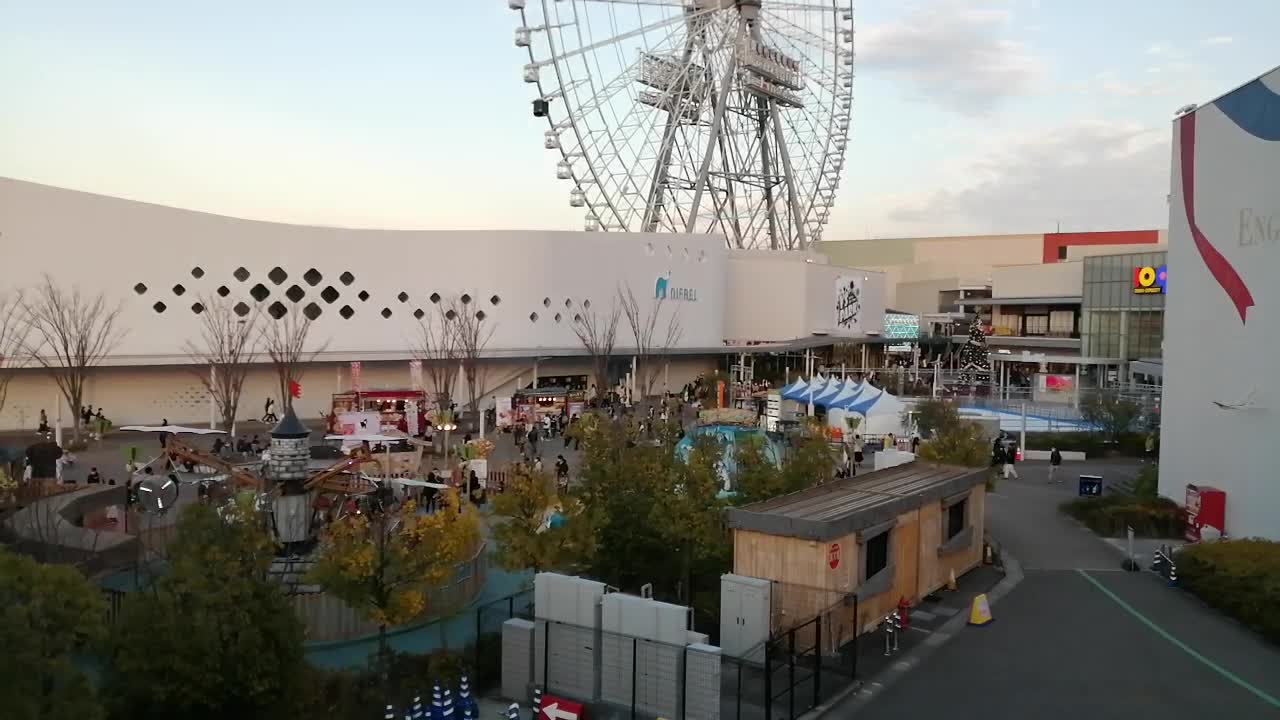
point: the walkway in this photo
(1080, 638)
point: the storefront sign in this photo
(1150, 280)
(833, 556)
(772, 411)
(900, 326)
(664, 290)
(502, 406)
(848, 305)
(899, 348)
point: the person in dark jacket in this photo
(1055, 459)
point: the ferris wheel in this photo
(706, 116)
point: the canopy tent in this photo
(802, 394)
(829, 391)
(794, 387)
(881, 412)
(848, 394)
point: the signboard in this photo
(772, 411)
(415, 374)
(1050, 387)
(900, 326)
(411, 417)
(833, 556)
(355, 375)
(555, 708)
(502, 406)
(899, 348)
(1148, 280)
(1090, 486)
(848, 303)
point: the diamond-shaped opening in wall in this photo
(346, 312)
(577, 319)
(329, 294)
(158, 307)
(178, 290)
(386, 313)
(241, 309)
(313, 277)
(557, 317)
(533, 317)
(418, 314)
(197, 272)
(277, 310)
(568, 303)
(140, 288)
(495, 300)
(223, 291)
(586, 304)
(241, 274)
(403, 296)
(347, 278)
(277, 275)
(435, 298)
(197, 308)
(546, 302)
(364, 295)
(480, 315)
(295, 293)
(312, 311)
(466, 299)
(451, 315)
(259, 292)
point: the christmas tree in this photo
(975, 366)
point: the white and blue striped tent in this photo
(802, 393)
(794, 387)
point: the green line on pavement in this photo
(1261, 694)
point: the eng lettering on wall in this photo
(849, 303)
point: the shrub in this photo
(1147, 484)
(1239, 577)
(1109, 516)
(1092, 444)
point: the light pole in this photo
(448, 426)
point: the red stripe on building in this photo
(1054, 241)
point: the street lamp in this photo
(448, 427)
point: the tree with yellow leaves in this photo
(540, 530)
(384, 564)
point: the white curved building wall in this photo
(1211, 354)
(109, 245)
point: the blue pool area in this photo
(729, 436)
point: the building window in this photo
(1062, 252)
(877, 555)
(956, 518)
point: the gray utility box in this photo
(744, 616)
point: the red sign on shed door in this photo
(554, 708)
(833, 556)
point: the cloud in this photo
(1109, 83)
(1084, 175)
(952, 54)
(1219, 40)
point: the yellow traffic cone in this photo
(980, 613)
(951, 581)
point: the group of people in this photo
(528, 435)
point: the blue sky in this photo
(1014, 116)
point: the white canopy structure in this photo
(173, 429)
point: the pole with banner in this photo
(355, 375)
(415, 375)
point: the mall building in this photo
(366, 292)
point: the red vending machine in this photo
(1206, 507)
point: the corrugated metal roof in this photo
(844, 506)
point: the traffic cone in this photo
(980, 612)
(951, 581)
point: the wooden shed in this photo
(890, 534)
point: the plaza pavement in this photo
(1078, 637)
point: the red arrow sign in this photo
(554, 708)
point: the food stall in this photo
(532, 404)
(389, 407)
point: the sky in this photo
(977, 116)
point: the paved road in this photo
(1080, 638)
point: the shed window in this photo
(957, 517)
(877, 549)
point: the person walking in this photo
(44, 423)
(562, 472)
(857, 450)
(268, 411)
(1055, 459)
(1010, 457)
(533, 439)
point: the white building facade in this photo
(365, 291)
(1222, 314)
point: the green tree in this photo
(689, 520)
(756, 477)
(934, 415)
(1111, 412)
(810, 461)
(524, 539)
(50, 614)
(383, 564)
(960, 444)
(213, 637)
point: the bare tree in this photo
(652, 343)
(72, 333)
(15, 326)
(471, 335)
(437, 347)
(223, 353)
(597, 332)
(284, 339)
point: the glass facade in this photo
(1115, 321)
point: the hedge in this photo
(1109, 516)
(1239, 577)
(1092, 444)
